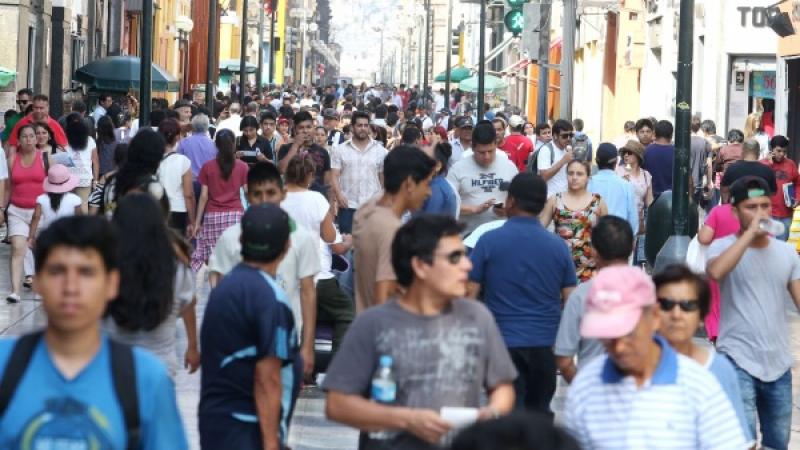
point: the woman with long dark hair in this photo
(155, 284)
(82, 150)
(106, 143)
(220, 204)
(145, 152)
(443, 198)
(175, 174)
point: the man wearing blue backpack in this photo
(70, 386)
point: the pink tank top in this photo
(27, 182)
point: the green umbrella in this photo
(121, 74)
(457, 74)
(491, 84)
(232, 65)
(6, 76)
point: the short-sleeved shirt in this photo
(307, 208)
(261, 145)
(359, 177)
(744, 168)
(659, 160)
(58, 132)
(374, 227)
(443, 360)
(476, 184)
(518, 147)
(322, 165)
(722, 220)
(546, 159)
(301, 261)
(753, 328)
(69, 202)
(785, 173)
(442, 199)
(568, 340)
(247, 319)
(170, 175)
(223, 195)
(522, 268)
(83, 412)
(681, 406)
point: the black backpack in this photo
(533, 159)
(123, 371)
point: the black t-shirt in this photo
(741, 169)
(261, 145)
(322, 164)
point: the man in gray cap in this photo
(462, 139)
(613, 189)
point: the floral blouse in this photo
(575, 227)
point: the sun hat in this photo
(615, 302)
(59, 180)
(635, 148)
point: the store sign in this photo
(756, 16)
(763, 84)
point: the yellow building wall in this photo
(280, 33)
(621, 92)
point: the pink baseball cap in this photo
(615, 302)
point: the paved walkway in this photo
(309, 430)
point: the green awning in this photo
(457, 74)
(491, 84)
(7, 76)
(232, 65)
(121, 74)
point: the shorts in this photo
(19, 221)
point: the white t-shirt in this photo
(65, 209)
(82, 160)
(170, 175)
(476, 184)
(3, 167)
(307, 208)
(326, 259)
(558, 183)
(301, 261)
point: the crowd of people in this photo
(469, 260)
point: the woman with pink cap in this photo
(56, 202)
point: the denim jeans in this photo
(536, 383)
(772, 402)
(787, 222)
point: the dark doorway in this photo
(793, 107)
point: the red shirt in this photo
(406, 96)
(518, 148)
(223, 195)
(58, 133)
(785, 172)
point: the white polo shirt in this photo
(681, 407)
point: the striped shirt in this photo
(682, 406)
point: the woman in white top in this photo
(307, 208)
(82, 151)
(56, 202)
(175, 174)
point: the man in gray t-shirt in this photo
(757, 275)
(444, 351)
(612, 240)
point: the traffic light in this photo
(514, 18)
(455, 42)
(514, 21)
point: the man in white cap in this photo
(643, 392)
(517, 145)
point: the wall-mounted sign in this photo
(739, 81)
(756, 16)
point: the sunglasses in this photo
(667, 304)
(23, 102)
(566, 135)
(455, 256)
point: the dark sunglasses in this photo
(667, 304)
(23, 102)
(566, 135)
(455, 256)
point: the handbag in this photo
(696, 256)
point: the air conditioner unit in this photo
(654, 30)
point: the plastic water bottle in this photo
(384, 391)
(773, 227)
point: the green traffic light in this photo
(514, 20)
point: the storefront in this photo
(787, 99)
(751, 90)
